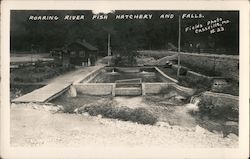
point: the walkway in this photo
(56, 86)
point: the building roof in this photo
(86, 45)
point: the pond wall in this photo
(89, 76)
(83, 87)
(95, 88)
(147, 88)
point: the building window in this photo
(72, 54)
(82, 53)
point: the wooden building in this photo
(81, 53)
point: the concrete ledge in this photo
(95, 88)
(183, 90)
(195, 74)
(221, 95)
(89, 76)
(153, 88)
(133, 91)
(166, 76)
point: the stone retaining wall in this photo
(219, 98)
(226, 65)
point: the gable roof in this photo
(85, 44)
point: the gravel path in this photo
(40, 125)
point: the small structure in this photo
(79, 53)
(60, 56)
(82, 53)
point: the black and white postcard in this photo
(136, 79)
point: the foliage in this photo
(201, 70)
(201, 84)
(19, 90)
(139, 115)
(232, 88)
(219, 110)
(71, 103)
(126, 58)
(37, 73)
(150, 34)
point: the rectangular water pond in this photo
(126, 74)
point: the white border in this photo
(119, 152)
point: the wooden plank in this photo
(44, 93)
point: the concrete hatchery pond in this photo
(125, 89)
(116, 74)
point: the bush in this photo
(139, 115)
(232, 88)
(143, 116)
(183, 71)
(38, 73)
(201, 70)
(124, 58)
(201, 84)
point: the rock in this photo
(192, 107)
(162, 124)
(179, 97)
(232, 136)
(51, 108)
(34, 107)
(199, 129)
(217, 132)
(81, 109)
(60, 107)
(85, 114)
(13, 104)
(76, 111)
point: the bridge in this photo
(56, 86)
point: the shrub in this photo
(232, 88)
(201, 84)
(124, 58)
(200, 69)
(143, 116)
(183, 71)
(166, 90)
(139, 115)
